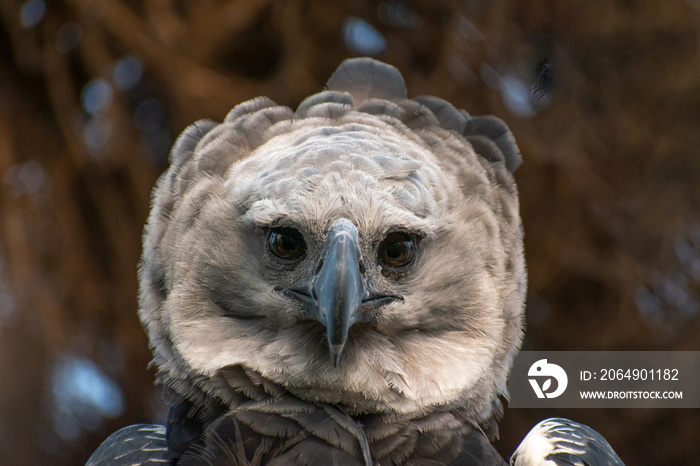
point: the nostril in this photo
(318, 267)
(362, 267)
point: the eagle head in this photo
(364, 251)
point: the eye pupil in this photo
(286, 243)
(397, 250)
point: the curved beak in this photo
(338, 288)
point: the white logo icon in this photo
(542, 368)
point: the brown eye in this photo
(286, 243)
(397, 250)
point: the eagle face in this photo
(364, 251)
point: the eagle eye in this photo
(397, 250)
(286, 243)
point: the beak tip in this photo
(336, 351)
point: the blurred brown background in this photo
(93, 93)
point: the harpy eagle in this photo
(340, 284)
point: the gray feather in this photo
(496, 130)
(140, 444)
(366, 78)
(448, 116)
(561, 442)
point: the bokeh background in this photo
(93, 93)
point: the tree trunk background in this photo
(93, 93)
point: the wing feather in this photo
(140, 444)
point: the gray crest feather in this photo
(445, 112)
(187, 141)
(366, 78)
(343, 99)
(496, 130)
